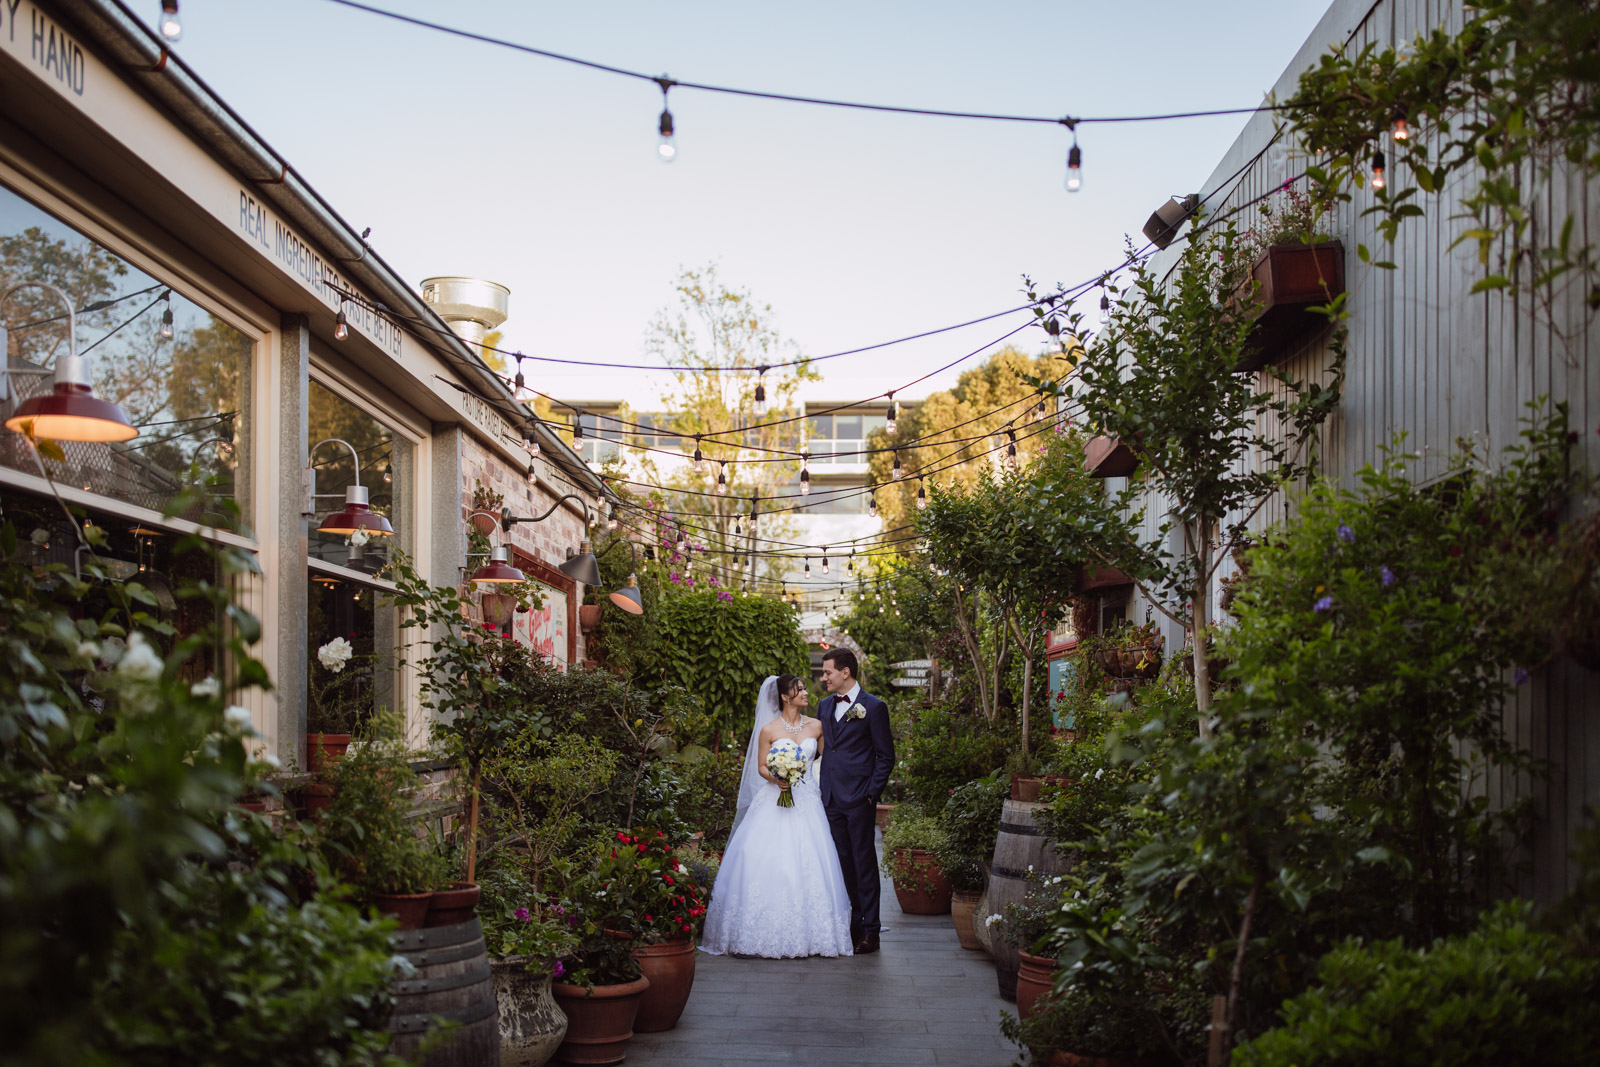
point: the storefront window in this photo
(382, 472)
(180, 373)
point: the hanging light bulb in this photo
(759, 405)
(681, 539)
(1378, 170)
(341, 325)
(520, 391)
(892, 424)
(667, 147)
(898, 472)
(166, 318)
(922, 496)
(577, 426)
(850, 565)
(824, 560)
(738, 526)
(805, 474)
(1074, 166)
(754, 516)
(1041, 411)
(611, 517)
(808, 566)
(388, 474)
(699, 456)
(1398, 129)
(872, 506)
(168, 23)
(1011, 450)
(1105, 308)
(531, 442)
(722, 479)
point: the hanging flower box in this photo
(1092, 578)
(1109, 457)
(1292, 279)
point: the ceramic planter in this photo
(410, 909)
(1035, 976)
(962, 906)
(588, 617)
(599, 1020)
(532, 1024)
(1293, 279)
(670, 968)
(324, 750)
(925, 891)
(456, 904)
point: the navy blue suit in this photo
(857, 759)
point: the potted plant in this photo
(369, 837)
(340, 699)
(1024, 772)
(1130, 652)
(909, 858)
(603, 982)
(970, 821)
(1028, 926)
(527, 936)
(658, 902)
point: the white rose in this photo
(682, 869)
(359, 538)
(206, 687)
(991, 920)
(237, 716)
(335, 654)
(140, 660)
(88, 650)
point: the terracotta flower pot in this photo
(532, 1025)
(884, 814)
(317, 797)
(926, 892)
(962, 905)
(670, 968)
(588, 617)
(1035, 976)
(599, 1020)
(411, 909)
(324, 750)
(1025, 787)
(456, 904)
(485, 521)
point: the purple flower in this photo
(1521, 676)
(1386, 576)
(724, 595)
(1346, 534)
(559, 971)
(1325, 604)
(524, 914)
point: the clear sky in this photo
(855, 227)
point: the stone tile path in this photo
(923, 999)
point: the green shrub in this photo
(1502, 994)
(368, 833)
(947, 749)
(710, 793)
(970, 822)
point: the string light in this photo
(892, 424)
(1074, 165)
(759, 406)
(754, 515)
(577, 426)
(699, 457)
(681, 539)
(667, 147)
(520, 391)
(166, 317)
(1397, 126)
(1042, 410)
(341, 325)
(1377, 170)
(738, 526)
(805, 474)
(722, 479)
(872, 506)
(1105, 308)
(1011, 450)
(611, 517)
(898, 472)
(808, 566)
(168, 23)
(922, 496)
(850, 564)
(531, 442)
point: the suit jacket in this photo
(858, 754)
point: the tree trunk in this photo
(472, 825)
(1236, 979)
(1027, 692)
(1199, 628)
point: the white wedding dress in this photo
(780, 892)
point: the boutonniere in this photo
(855, 711)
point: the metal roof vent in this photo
(471, 306)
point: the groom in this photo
(858, 755)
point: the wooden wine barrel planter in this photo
(1020, 845)
(452, 981)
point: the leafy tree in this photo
(1214, 445)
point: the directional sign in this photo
(912, 663)
(917, 672)
(909, 683)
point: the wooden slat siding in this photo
(1428, 358)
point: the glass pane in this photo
(820, 427)
(331, 417)
(847, 427)
(872, 423)
(366, 684)
(184, 382)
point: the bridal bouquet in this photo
(787, 765)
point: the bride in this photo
(780, 892)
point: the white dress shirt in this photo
(845, 700)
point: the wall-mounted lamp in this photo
(497, 570)
(628, 598)
(70, 411)
(357, 513)
(580, 565)
(1162, 229)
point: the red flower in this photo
(613, 853)
(667, 878)
(622, 837)
(649, 918)
(685, 927)
(660, 834)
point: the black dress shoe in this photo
(868, 943)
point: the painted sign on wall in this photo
(1063, 673)
(544, 629)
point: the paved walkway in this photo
(922, 999)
